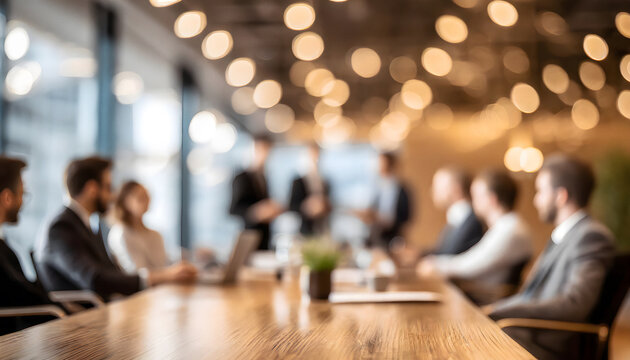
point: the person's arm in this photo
(496, 250)
(70, 257)
(578, 295)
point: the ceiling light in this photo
(128, 87)
(190, 24)
(403, 68)
(307, 46)
(279, 118)
(525, 98)
(217, 44)
(299, 16)
(502, 13)
(240, 72)
(163, 3)
(595, 47)
(451, 29)
(243, 101)
(436, 61)
(592, 75)
(267, 94)
(416, 94)
(16, 43)
(202, 127)
(555, 78)
(584, 114)
(365, 62)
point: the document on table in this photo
(384, 297)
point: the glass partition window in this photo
(50, 95)
(148, 129)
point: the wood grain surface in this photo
(267, 319)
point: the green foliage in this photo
(611, 200)
(320, 255)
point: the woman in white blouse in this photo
(133, 244)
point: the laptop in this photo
(246, 243)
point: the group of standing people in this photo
(390, 211)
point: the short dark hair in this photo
(573, 175)
(10, 172)
(80, 171)
(390, 158)
(502, 185)
(462, 177)
(261, 138)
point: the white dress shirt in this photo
(81, 212)
(388, 189)
(504, 245)
(458, 213)
(137, 249)
(1, 233)
(560, 232)
(314, 183)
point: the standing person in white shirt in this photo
(499, 257)
(134, 245)
(392, 210)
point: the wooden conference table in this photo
(265, 319)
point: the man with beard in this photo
(72, 255)
(566, 281)
(16, 289)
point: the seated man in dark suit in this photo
(15, 289)
(566, 281)
(250, 195)
(451, 192)
(392, 208)
(72, 256)
(309, 197)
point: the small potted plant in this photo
(320, 258)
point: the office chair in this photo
(601, 319)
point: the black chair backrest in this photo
(613, 291)
(515, 276)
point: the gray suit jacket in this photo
(564, 285)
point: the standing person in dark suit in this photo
(392, 209)
(72, 256)
(250, 195)
(566, 281)
(451, 192)
(15, 289)
(310, 197)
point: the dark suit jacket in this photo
(385, 235)
(16, 290)
(72, 257)
(299, 193)
(564, 285)
(247, 191)
(456, 240)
